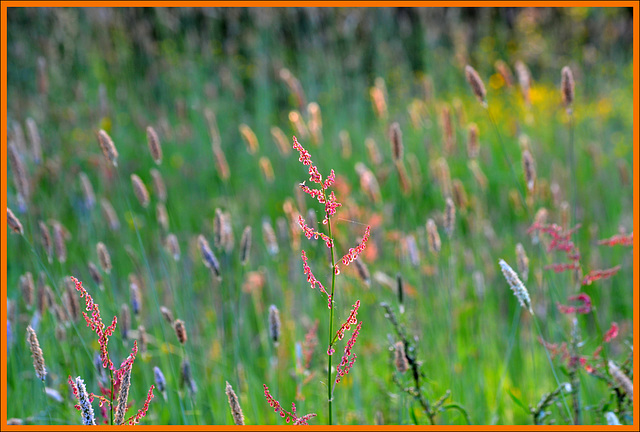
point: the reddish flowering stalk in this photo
(585, 308)
(612, 333)
(309, 232)
(312, 279)
(96, 324)
(284, 413)
(142, 412)
(620, 239)
(348, 359)
(595, 275)
(354, 252)
(352, 320)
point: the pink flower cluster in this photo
(585, 308)
(352, 320)
(612, 333)
(284, 413)
(348, 359)
(330, 203)
(354, 252)
(309, 232)
(142, 412)
(619, 239)
(95, 322)
(312, 279)
(595, 275)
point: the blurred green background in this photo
(74, 71)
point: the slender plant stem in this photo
(572, 165)
(333, 285)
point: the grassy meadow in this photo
(381, 97)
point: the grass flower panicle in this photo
(84, 401)
(36, 353)
(516, 285)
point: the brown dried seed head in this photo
(621, 379)
(460, 195)
(372, 149)
(403, 178)
(524, 78)
(103, 257)
(281, 140)
(167, 314)
(433, 236)
(27, 288)
(14, 222)
(20, 178)
(444, 177)
(59, 243)
(172, 246)
(154, 145)
(478, 174)
(158, 185)
(162, 216)
(140, 190)
(345, 144)
(87, 190)
(449, 217)
(72, 301)
(402, 365)
(45, 239)
(208, 257)
(250, 138)
(108, 148)
(95, 273)
(218, 226)
(473, 145)
(269, 237)
(36, 353)
(274, 324)
(34, 139)
(181, 331)
(568, 87)
(363, 271)
(529, 170)
(448, 130)
(476, 84)
(123, 395)
(110, 214)
(234, 404)
(298, 123)
(397, 147)
(267, 169)
(505, 72)
(245, 245)
(124, 321)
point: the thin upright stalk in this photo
(572, 165)
(333, 285)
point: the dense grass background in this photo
(125, 69)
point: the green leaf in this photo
(518, 401)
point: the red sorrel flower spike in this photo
(96, 324)
(347, 358)
(612, 333)
(354, 252)
(352, 320)
(284, 413)
(142, 412)
(595, 275)
(312, 279)
(584, 309)
(620, 239)
(309, 232)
